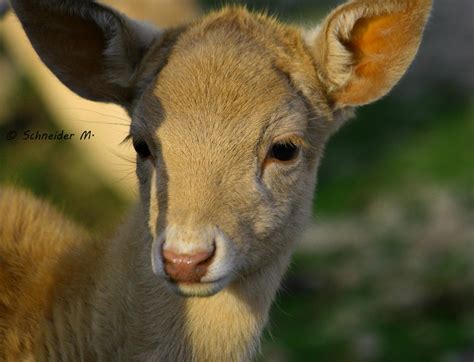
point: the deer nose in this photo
(187, 268)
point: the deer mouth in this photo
(200, 273)
(198, 289)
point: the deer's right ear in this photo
(92, 49)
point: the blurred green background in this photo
(386, 271)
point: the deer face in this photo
(230, 151)
(229, 117)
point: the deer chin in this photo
(199, 289)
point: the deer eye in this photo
(283, 152)
(141, 148)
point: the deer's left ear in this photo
(364, 47)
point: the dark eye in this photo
(141, 148)
(283, 151)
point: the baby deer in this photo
(230, 115)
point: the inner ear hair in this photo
(364, 47)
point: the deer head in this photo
(230, 115)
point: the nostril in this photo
(189, 259)
(187, 267)
(206, 260)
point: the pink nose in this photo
(187, 268)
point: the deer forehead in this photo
(222, 88)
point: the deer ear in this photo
(364, 47)
(92, 49)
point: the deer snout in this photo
(187, 268)
(196, 261)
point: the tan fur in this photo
(39, 252)
(226, 87)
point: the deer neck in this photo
(157, 324)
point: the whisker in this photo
(126, 177)
(99, 122)
(124, 167)
(99, 113)
(126, 158)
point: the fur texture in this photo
(209, 104)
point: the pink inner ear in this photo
(383, 46)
